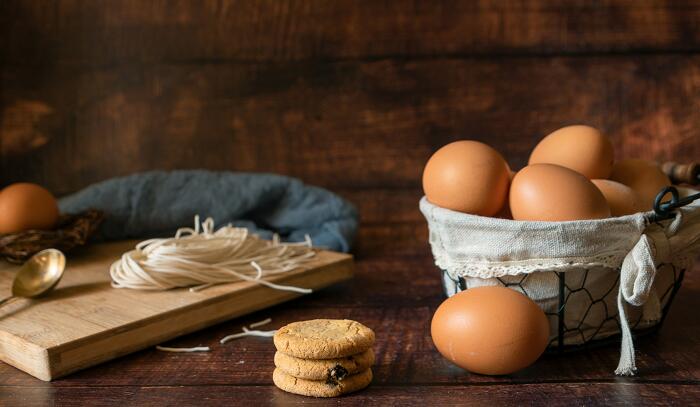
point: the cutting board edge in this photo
(52, 365)
(34, 359)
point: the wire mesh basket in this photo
(594, 318)
(579, 290)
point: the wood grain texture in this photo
(86, 32)
(337, 125)
(406, 359)
(85, 321)
(396, 297)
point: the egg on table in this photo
(25, 206)
(490, 330)
(467, 176)
(548, 192)
(643, 177)
(583, 149)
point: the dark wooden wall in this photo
(352, 96)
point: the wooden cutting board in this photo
(85, 321)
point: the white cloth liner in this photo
(482, 249)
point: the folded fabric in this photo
(156, 204)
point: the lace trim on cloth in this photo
(511, 268)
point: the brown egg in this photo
(505, 213)
(584, 149)
(467, 176)
(490, 330)
(27, 206)
(644, 177)
(622, 200)
(549, 192)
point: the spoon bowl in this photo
(39, 274)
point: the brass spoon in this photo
(38, 275)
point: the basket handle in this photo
(665, 209)
(682, 173)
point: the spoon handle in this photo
(6, 299)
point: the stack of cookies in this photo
(323, 357)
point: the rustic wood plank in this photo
(42, 32)
(551, 394)
(337, 125)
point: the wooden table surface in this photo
(396, 295)
(352, 96)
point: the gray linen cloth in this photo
(157, 203)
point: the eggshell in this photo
(505, 213)
(622, 200)
(548, 192)
(467, 176)
(27, 206)
(644, 177)
(583, 149)
(490, 330)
